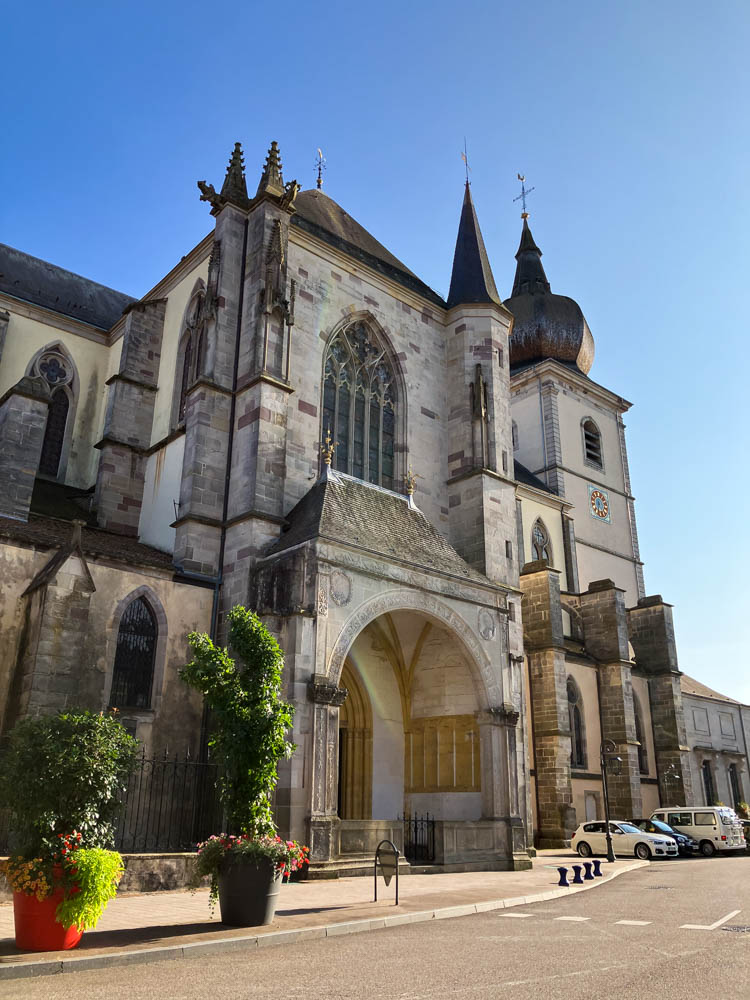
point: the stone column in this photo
(23, 419)
(605, 628)
(129, 420)
(544, 643)
(498, 757)
(652, 635)
(327, 698)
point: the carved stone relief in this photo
(322, 602)
(487, 624)
(341, 588)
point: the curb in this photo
(28, 970)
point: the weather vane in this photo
(465, 158)
(522, 196)
(320, 163)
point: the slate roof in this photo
(471, 278)
(522, 475)
(691, 686)
(321, 216)
(347, 510)
(44, 284)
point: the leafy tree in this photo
(65, 772)
(249, 718)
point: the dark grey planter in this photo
(248, 893)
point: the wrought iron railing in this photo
(419, 838)
(170, 804)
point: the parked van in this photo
(716, 828)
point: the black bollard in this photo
(563, 876)
(577, 880)
(587, 869)
(597, 867)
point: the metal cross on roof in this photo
(465, 158)
(522, 196)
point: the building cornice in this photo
(66, 324)
(573, 379)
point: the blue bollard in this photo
(597, 867)
(577, 880)
(563, 876)
(587, 869)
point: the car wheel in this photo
(642, 851)
(707, 849)
(584, 850)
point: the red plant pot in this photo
(36, 927)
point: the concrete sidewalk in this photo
(150, 927)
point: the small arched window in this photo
(592, 443)
(514, 434)
(359, 405)
(55, 367)
(540, 543)
(640, 736)
(185, 379)
(577, 731)
(133, 675)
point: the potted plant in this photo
(249, 723)
(60, 778)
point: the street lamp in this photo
(607, 752)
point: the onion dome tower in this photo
(545, 325)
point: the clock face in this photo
(599, 504)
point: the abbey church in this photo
(428, 502)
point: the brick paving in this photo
(145, 921)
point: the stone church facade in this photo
(427, 500)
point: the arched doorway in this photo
(409, 730)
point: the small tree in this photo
(249, 718)
(65, 772)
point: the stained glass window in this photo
(577, 737)
(54, 367)
(133, 673)
(359, 405)
(540, 542)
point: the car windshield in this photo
(628, 828)
(728, 817)
(664, 827)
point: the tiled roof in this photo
(522, 475)
(44, 284)
(347, 510)
(691, 686)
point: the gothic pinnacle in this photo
(234, 188)
(272, 180)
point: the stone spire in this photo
(471, 280)
(234, 188)
(530, 276)
(272, 180)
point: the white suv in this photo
(591, 838)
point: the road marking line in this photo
(516, 916)
(634, 923)
(577, 919)
(709, 927)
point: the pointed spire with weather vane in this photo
(530, 276)
(471, 279)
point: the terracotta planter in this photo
(248, 893)
(36, 927)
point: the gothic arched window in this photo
(55, 367)
(640, 736)
(133, 675)
(592, 443)
(185, 379)
(190, 355)
(540, 542)
(577, 731)
(359, 405)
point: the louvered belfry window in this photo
(592, 443)
(133, 674)
(359, 405)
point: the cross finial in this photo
(465, 158)
(320, 163)
(327, 448)
(522, 196)
(410, 481)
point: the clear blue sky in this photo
(630, 120)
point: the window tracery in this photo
(55, 368)
(540, 542)
(190, 355)
(359, 405)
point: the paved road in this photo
(658, 933)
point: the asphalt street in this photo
(673, 930)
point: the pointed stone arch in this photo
(355, 748)
(156, 608)
(55, 364)
(191, 350)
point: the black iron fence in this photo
(170, 804)
(419, 838)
